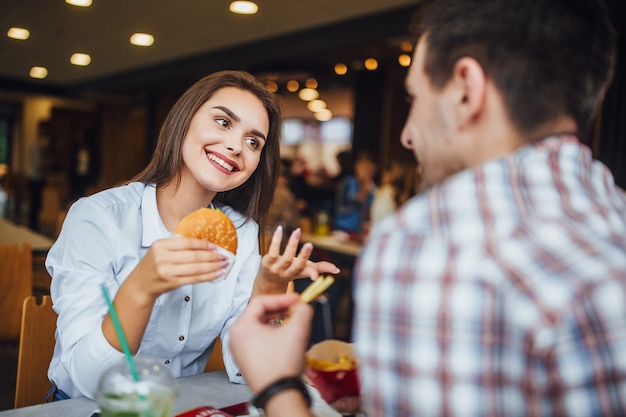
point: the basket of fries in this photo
(332, 368)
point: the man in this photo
(500, 289)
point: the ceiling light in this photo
(80, 59)
(20, 34)
(292, 86)
(272, 86)
(406, 46)
(404, 60)
(311, 83)
(341, 69)
(38, 72)
(371, 64)
(141, 39)
(308, 94)
(79, 3)
(316, 105)
(243, 7)
(323, 115)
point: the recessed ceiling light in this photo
(341, 69)
(406, 46)
(79, 3)
(292, 86)
(243, 7)
(20, 34)
(316, 105)
(272, 86)
(323, 115)
(80, 59)
(38, 72)
(371, 64)
(404, 60)
(142, 39)
(308, 94)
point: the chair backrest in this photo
(16, 283)
(35, 352)
(216, 360)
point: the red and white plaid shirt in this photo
(499, 292)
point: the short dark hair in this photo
(251, 198)
(548, 58)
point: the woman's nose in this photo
(233, 145)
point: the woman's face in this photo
(223, 144)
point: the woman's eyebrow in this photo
(236, 118)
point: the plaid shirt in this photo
(499, 292)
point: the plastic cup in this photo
(119, 395)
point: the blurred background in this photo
(97, 119)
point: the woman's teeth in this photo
(221, 162)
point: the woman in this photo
(218, 147)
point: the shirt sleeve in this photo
(80, 263)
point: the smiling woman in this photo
(218, 147)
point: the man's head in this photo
(547, 60)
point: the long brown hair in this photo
(252, 198)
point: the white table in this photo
(211, 388)
(333, 244)
(13, 233)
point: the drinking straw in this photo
(121, 337)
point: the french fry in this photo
(317, 288)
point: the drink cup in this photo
(120, 395)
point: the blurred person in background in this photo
(398, 183)
(284, 209)
(354, 195)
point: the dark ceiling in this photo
(288, 39)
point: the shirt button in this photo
(187, 298)
(238, 373)
(181, 338)
(167, 362)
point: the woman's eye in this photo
(253, 143)
(223, 122)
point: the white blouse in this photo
(103, 238)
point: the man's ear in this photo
(470, 83)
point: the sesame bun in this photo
(212, 225)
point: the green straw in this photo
(122, 339)
(120, 335)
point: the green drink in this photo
(120, 395)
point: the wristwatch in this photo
(257, 405)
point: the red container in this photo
(333, 384)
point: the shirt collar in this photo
(152, 228)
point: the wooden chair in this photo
(16, 283)
(216, 361)
(35, 352)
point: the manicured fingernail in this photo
(337, 270)
(296, 233)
